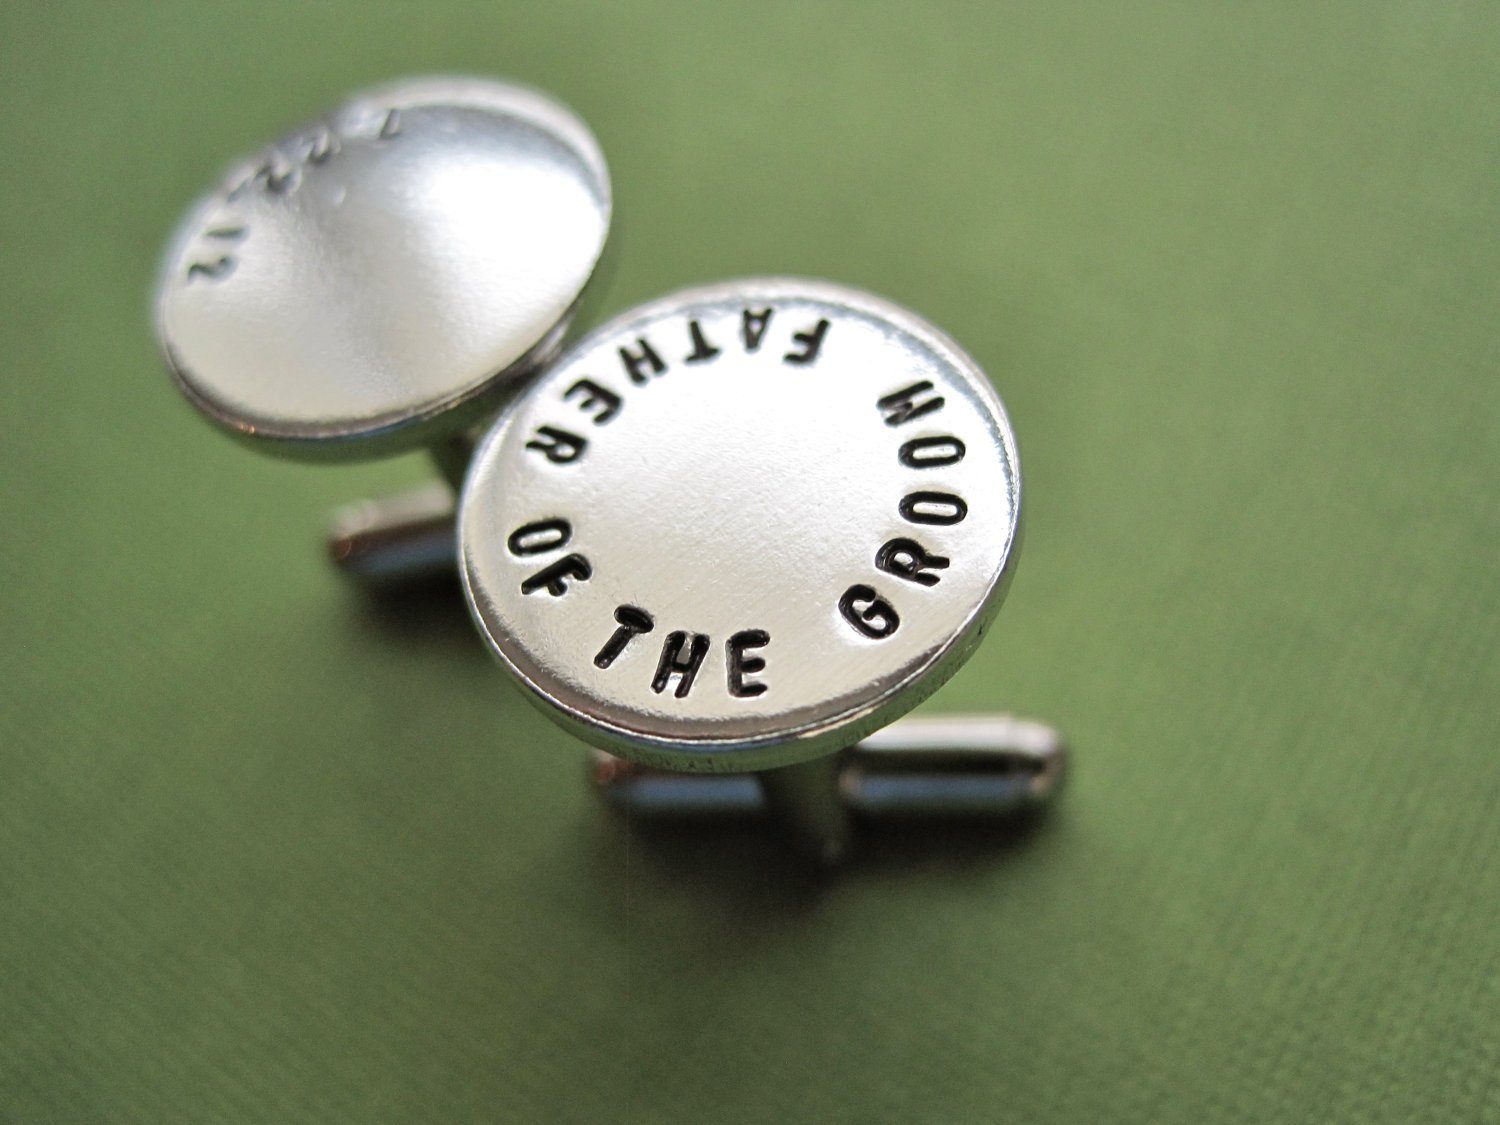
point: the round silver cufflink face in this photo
(742, 526)
(356, 286)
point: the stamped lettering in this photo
(633, 622)
(900, 407)
(680, 659)
(642, 361)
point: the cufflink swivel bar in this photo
(980, 767)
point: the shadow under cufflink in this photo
(429, 608)
(739, 852)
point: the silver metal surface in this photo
(402, 538)
(374, 280)
(408, 537)
(954, 765)
(917, 768)
(743, 526)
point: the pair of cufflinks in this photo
(728, 538)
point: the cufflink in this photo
(733, 535)
(378, 280)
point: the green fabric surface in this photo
(272, 852)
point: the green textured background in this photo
(270, 853)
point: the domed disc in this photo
(744, 525)
(373, 280)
